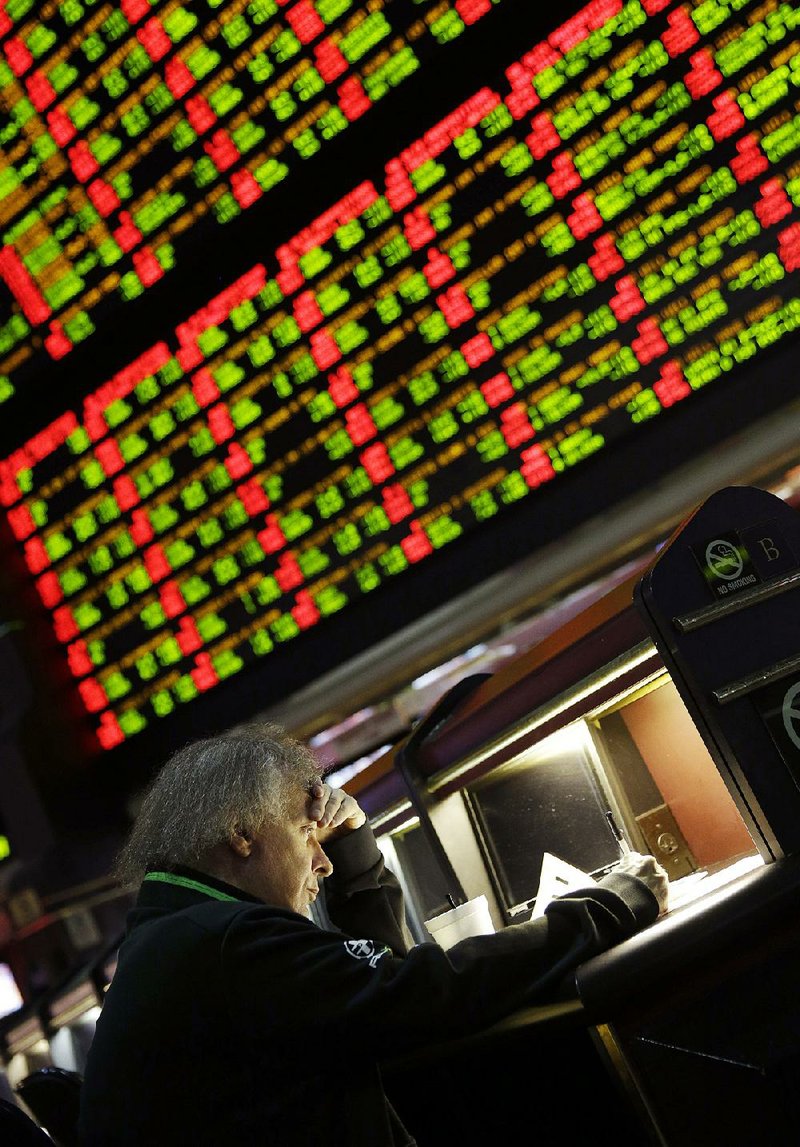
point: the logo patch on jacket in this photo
(365, 950)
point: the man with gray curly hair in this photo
(211, 790)
(231, 1012)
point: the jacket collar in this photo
(186, 884)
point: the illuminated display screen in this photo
(598, 232)
(131, 126)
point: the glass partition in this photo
(550, 799)
(636, 769)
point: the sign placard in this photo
(768, 549)
(726, 565)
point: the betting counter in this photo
(666, 724)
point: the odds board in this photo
(298, 296)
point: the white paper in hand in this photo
(557, 877)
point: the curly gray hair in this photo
(208, 790)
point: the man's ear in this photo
(241, 842)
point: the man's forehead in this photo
(300, 803)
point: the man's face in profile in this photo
(288, 859)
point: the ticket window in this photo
(674, 801)
(550, 799)
(641, 759)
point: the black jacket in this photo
(228, 1017)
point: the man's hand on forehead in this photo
(334, 810)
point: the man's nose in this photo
(321, 863)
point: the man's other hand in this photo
(649, 871)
